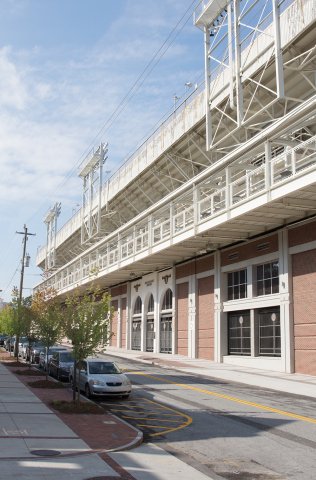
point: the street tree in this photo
(16, 319)
(48, 319)
(87, 321)
(8, 319)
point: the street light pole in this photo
(25, 233)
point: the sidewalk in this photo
(39, 443)
(292, 383)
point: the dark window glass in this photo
(138, 306)
(237, 284)
(275, 285)
(267, 270)
(268, 278)
(275, 269)
(239, 333)
(269, 332)
(167, 301)
(259, 272)
(151, 304)
(230, 293)
(136, 335)
(243, 276)
(243, 291)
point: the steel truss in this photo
(51, 222)
(91, 174)
(250, 75)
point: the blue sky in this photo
(65, 66)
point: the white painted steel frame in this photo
(131, 241)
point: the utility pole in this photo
(17, 340)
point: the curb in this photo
(134, 443)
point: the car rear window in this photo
(96, 368)
(66, 357)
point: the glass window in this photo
(239, 333)
(151, 303)
(167, 300)
(138, 306)
(269, 332)
(237, 284)
(268, 278)
(136, 334)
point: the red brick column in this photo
(304, 303)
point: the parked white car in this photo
(100, 377)
(22, 347)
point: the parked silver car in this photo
(60, 363)
(100, 377)
(44, 358)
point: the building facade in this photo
(206, 236)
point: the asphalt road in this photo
(226, 430)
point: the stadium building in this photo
(206, 236)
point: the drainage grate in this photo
(45, 453)
(97, 478)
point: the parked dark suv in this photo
(60, 363)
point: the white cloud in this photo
(54, 103)
(12, 90)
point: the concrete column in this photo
(128, 318)
(220, 339)
(143, 328)
(119, 323)
(157, 316)
(192, 350)
(174, 310)
(286, 307)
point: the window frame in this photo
(266, 284)
(233, 286)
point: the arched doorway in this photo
(166, 323)
(150, 326)
(137, 324)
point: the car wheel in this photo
(87, 391)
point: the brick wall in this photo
(185, 269)
(304, 305)
(250, 250)
(205, 318)
(204, 263)
(302, 234)
(198, 265)
(113, 341)
(119, 290)
(182, 318)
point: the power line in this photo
(134, 88)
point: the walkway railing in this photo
(157, 227)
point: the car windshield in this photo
(66, 357)
(55, 349)
(96, 368)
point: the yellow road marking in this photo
(152, 426)
(166, 428)
(149, 418)
(232, 399)
(185, 424)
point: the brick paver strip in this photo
(101, 432)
